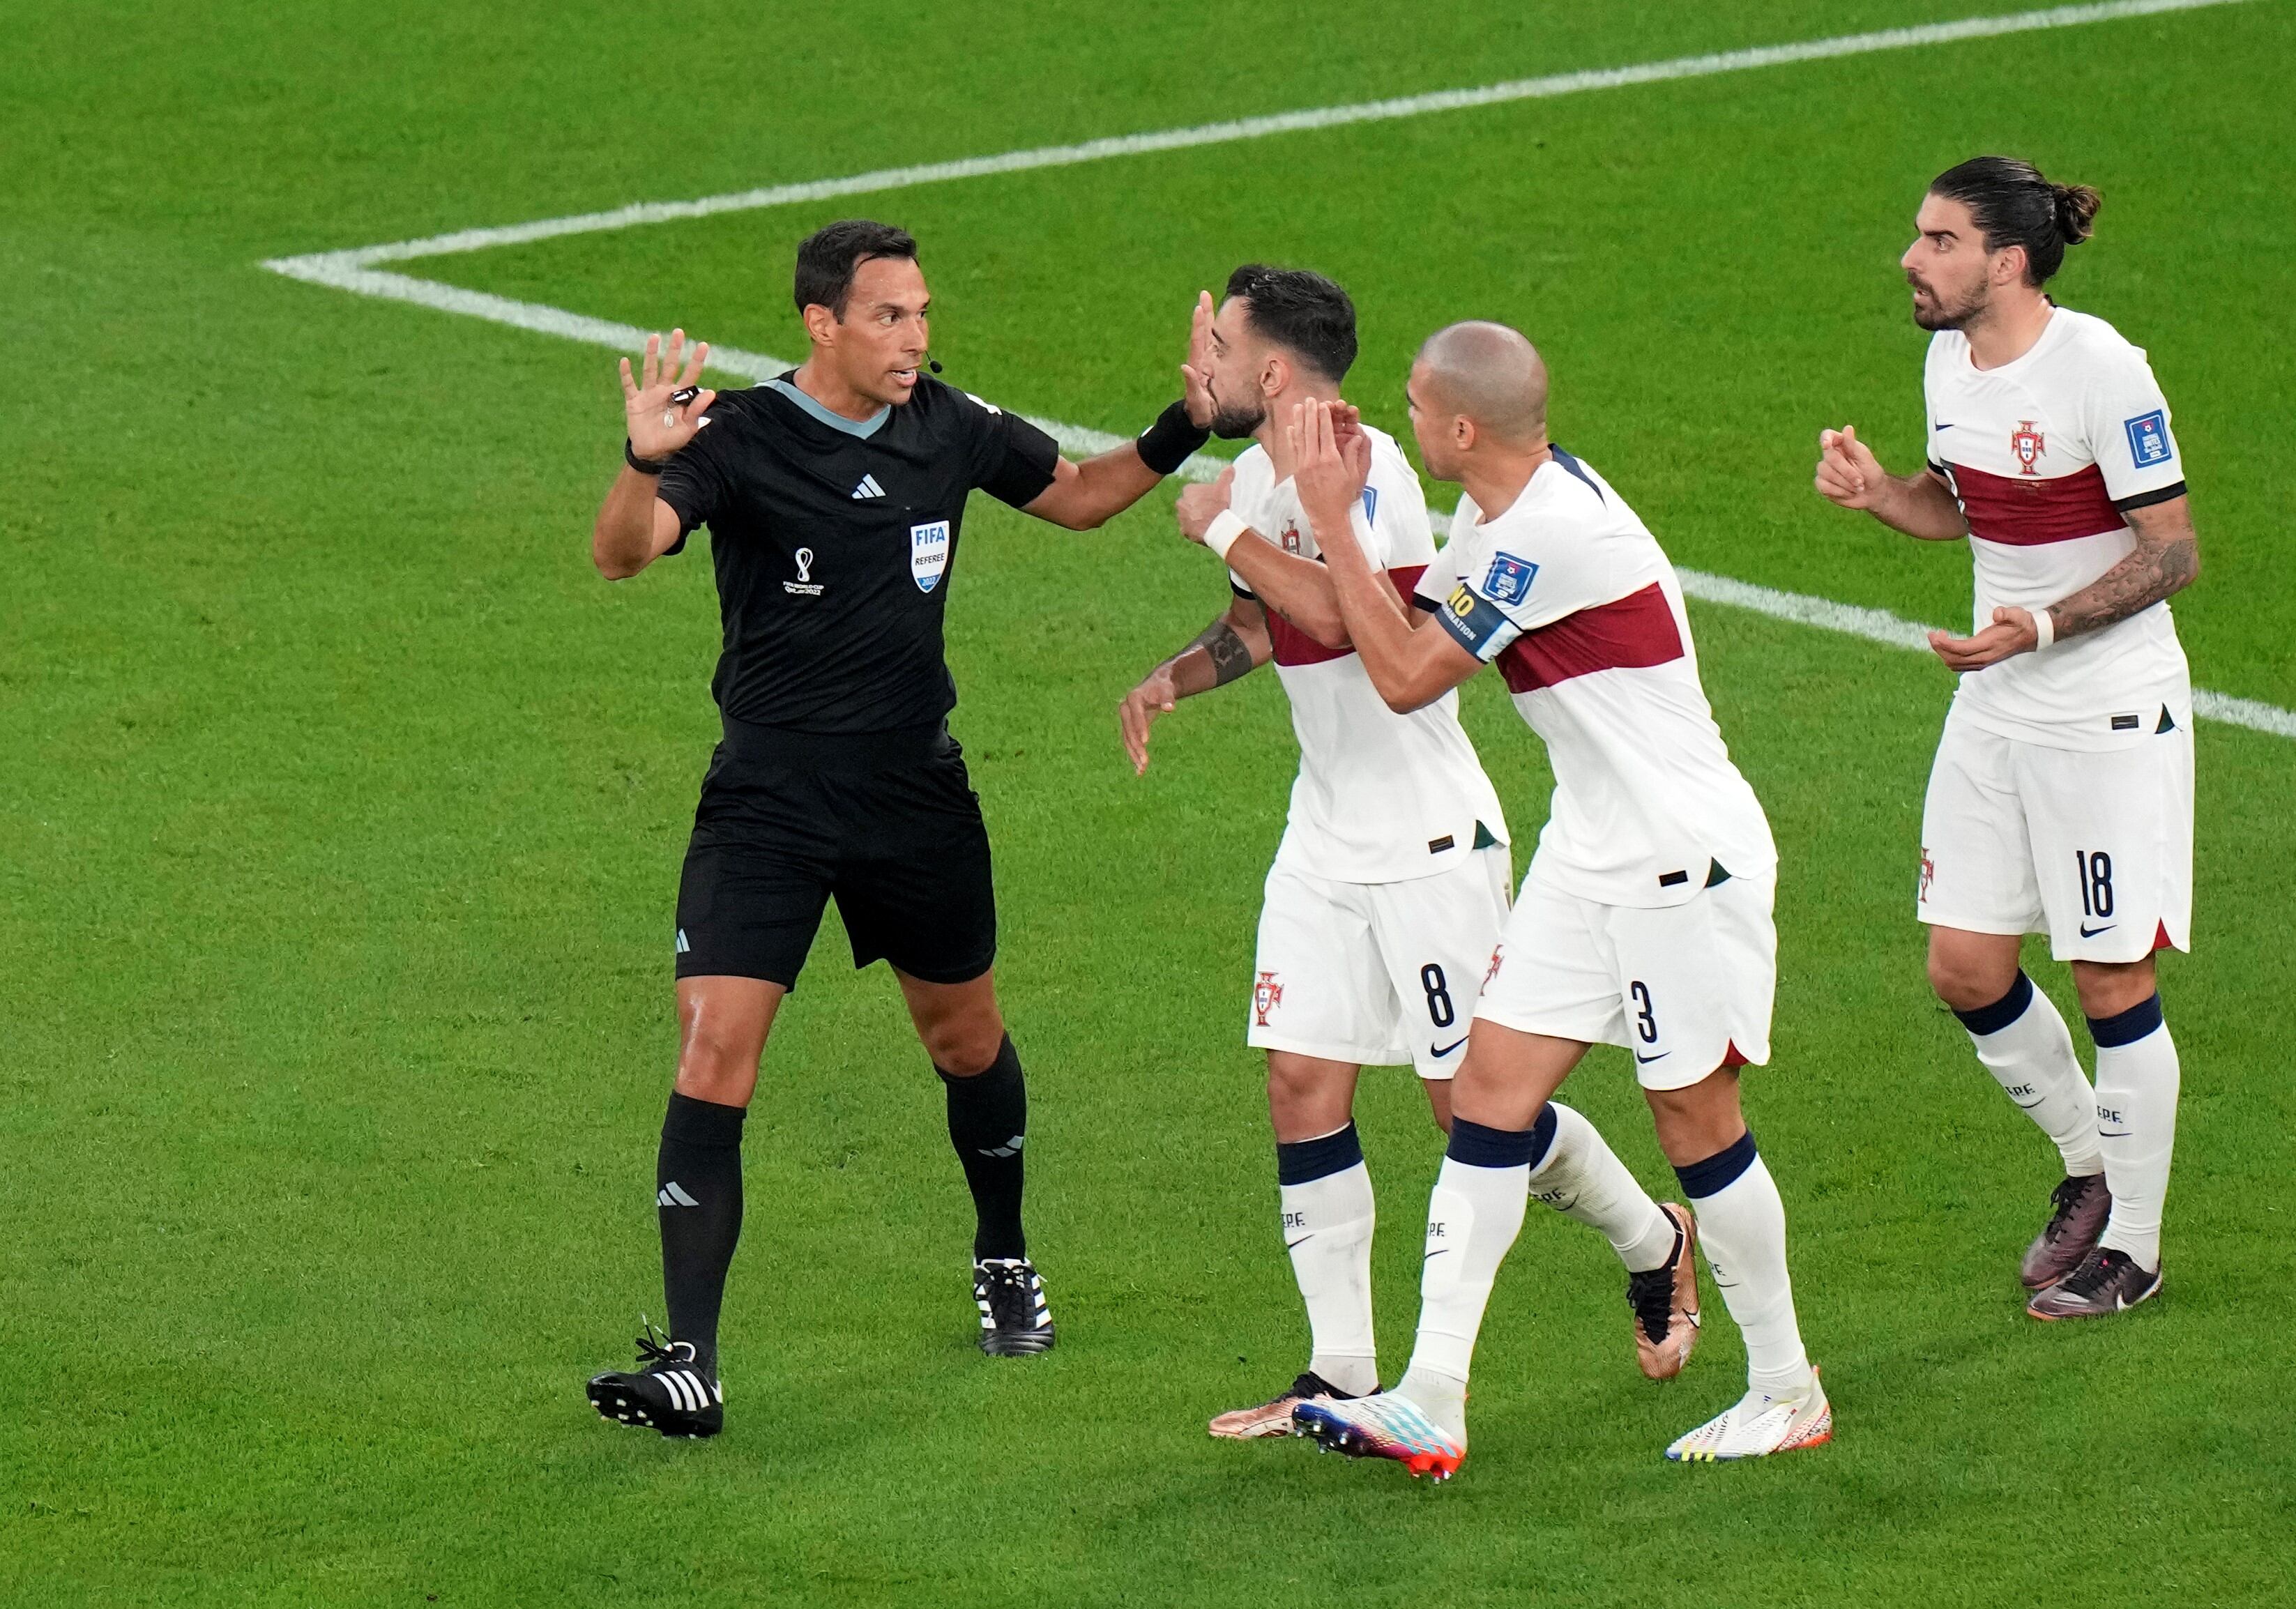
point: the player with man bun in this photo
(2062, 798)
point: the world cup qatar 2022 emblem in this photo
(2028, 444)
(1267, 995)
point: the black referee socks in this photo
(698, 1191)
(988, 1124)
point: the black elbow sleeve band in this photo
(645, 466)
(1169, 442)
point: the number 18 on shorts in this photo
(2091, 846)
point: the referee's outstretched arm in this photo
(883, 338)
(1086, 494)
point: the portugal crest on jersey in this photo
(928, 553)
(2026, 443)
(1267, 995)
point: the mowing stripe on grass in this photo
(353, 270)
(1282, 122)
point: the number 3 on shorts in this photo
(1645, 1018)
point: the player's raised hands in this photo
(1196, 374)
(1848, 473)
(1200, 505)
(659, 425)
(2012, 632)
(1330, 466)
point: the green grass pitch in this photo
(341, 805)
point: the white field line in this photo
(1880, 626)
(1283, 122)
(353, 270)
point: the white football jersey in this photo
(1380, 797)
(1570, 595)
(2045, 455)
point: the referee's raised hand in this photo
(658, 425)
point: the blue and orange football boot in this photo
(1385, 1426)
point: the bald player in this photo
(1645, 919)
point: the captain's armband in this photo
(1475, 623)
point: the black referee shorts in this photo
(888, 824)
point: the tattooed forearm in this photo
(1230, 656)
(2155, 570)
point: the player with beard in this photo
(835, 497)
(2062, 798)
(1387, 896)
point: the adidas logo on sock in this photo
(1011, 1148)
(672, 1194)
(868, 488)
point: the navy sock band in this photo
(1304, 1162)
(1718, 1171)
(2008, 1009)
(1477, 1146)
(2129, 1026)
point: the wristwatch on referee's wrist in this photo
(645, 466)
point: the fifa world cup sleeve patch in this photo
(2148, 439)
(1508, 583)
(1475, 623)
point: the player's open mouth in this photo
(903, 376)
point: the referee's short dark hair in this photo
(834, 253)
(1305, 314)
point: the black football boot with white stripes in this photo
(670, 1392)
(1015, 1319)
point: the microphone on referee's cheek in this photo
(934, 366)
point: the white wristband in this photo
(2044, 629)
(1227, 527)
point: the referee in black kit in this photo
(835, 496)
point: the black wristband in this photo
(645, 466)
(1167, 444)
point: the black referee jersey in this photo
(834, 542)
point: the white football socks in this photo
(2137, 1079)
(1327, 1229)
(2026, 1046)
(1472, 1218)
(1583, 1178)
(1741, 1224)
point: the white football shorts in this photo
(1685, 988)
(1379, 975)
(2091, 846)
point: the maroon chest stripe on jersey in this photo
(1294, 647)
(2022, 512)
(1635, 632)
